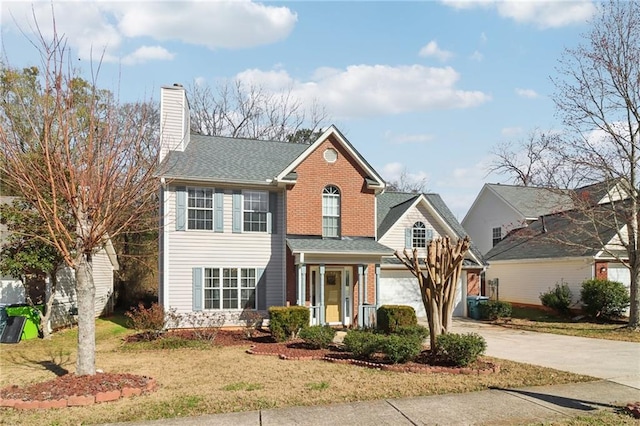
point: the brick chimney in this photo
(174, 119)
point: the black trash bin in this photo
(473, 306)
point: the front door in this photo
(333, 296)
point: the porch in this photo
(337, 279)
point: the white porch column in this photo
(303, 284)
(360, 295)
(377, 285)
(321, 304)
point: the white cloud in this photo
(370, 90)
(97, 30)
(432, 49)
(404, 138)
(148, 53)
(527, 93)
(511, 131)
(543, 14)
(483, 38)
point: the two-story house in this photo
(248, 224)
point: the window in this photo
(330, 212)
(200, 209)
(230, 288)
(497, 235)
(419, 238)
(256, 207)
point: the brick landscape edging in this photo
(491, 367)
(80, 400)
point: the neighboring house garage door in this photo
(399, 287)
(618, 272)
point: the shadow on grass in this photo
(571, 403)
(119, 318)
(55, 363)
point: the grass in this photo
(532, 319)
(599, 418)
(196, 381)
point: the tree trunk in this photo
(86, 294)
(634, 308)
(45, 317)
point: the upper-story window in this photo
(330, 211)
(496, 235)
(200, 208)
(256, 207)
(419, 235)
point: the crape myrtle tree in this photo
(72, 153)
(438, 274)
(244, 110)
(598, 99)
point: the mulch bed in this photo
(72, 390)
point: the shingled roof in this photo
(533, 202)
(573, 233)
(223, 159)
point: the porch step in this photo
(339, 337)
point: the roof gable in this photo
(372, 178)
(392, 206)
(532, 202)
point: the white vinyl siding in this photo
(488, 212)
(395, 237)
(524, 281)
(174, 126)
(202, 249)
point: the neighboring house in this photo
(409, 220)
(556, 249)
(499, 209)
(105, 263)
(249, 224)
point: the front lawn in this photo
(532, 319)
(214, 379)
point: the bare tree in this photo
(438, 274)
(241, 110)
(598, 97)
(406, 183)
(68, 140)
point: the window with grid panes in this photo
(330, 212)
(200, 208)
(256, 206)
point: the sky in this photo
(425, 87)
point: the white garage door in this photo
(401, 288)
(617, 272)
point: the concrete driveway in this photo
(618, 362)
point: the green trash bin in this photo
(32, 324)
(473, 306)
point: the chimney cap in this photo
(177, 85)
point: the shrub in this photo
(205, 324)
(362, 343)
(401, 348)
(604, 298)
(413, 330)
(390, 317)
(317, 336)
(494, 309)
(557, 298)
(147, 321)
(285, 322)
(460, 349)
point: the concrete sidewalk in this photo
(490, 407)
